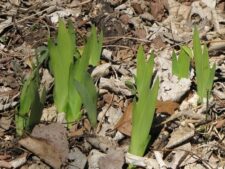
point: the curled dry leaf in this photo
(100, 71)
(16, 163)
(124, 124)
(5, 24)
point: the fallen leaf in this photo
(220, 123)
(124, 124)
(5, 123)
(77, 133)
(56, 133)
(179, 153)
(77, 159)
(113, 160)
(87, 125)
(158, 43)
(19, 161)
(157, 8)
(4, 156)
(104, 144)
(125, 54)
(137, 8)
(140, 33)
(43, 149)
(125, 19)
(49, 142)
(179, 136)
(168, 107)
(108, 97)
(93, 158)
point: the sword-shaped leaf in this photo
(204, 73)
(88, 93)
(36, 109)
(61, 57)
(74, 100)
(143, 114)
(181, 65)
(27, 101)
(95, 46)
(144, 108)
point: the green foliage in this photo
(204, 73)
(31, 104)
(61, 57)
(88, 93)
(144, 108)
(95, 46)
(181, 65)
(69, 68)
(188, 51)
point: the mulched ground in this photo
(184, 135)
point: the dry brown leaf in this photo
(137, 8)
(125, 19)
(221, 5)
(158, 43)
(43, 149)
(157, 8)
(108, 98)
(5, 164)
(125, 54)
(168, 107)
(124, 124)
(77, 133)
(220, 123)
(101, 143)
(113, 160)
(87, 125)
(4, 157)
(180, 135)
(56, 135)
(140, 33)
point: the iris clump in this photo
(144, 107)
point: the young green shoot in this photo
(181, 65)
(144, 107)
(31, 104)
(69, 68)
(204, 72)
